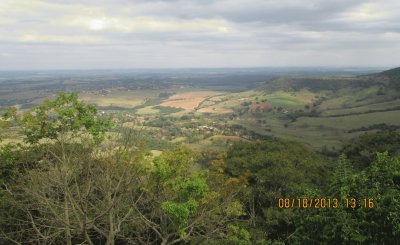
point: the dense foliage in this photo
(362, 152)
(275, 169)
(358, 225)
(64, 115)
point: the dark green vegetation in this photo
(70, 184)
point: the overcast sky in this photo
(90, 34)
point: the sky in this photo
(129, 34)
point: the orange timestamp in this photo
(326, 203)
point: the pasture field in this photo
(314, 137)
(352, 121)
(148, 110)
(290, 100)
(349, 98)
(362, 109)
(334, 103)
(284, 100)
(221, 105)
(225, 103)
(125, 99)
(216, 109)
(317, 131)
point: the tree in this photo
(8, 119)
(377, 222)
(188, 205)
(62, 117)
(343, 178)
(362, 151)
(276, 169)
(81, 193)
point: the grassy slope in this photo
(352, 121)
(362, 99)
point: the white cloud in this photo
(38, 38)
(141, 23)
(366, 12)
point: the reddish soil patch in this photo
(261, 106)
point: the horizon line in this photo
(201, 68)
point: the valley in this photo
(212, 109)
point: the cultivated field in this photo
(188, 100)
(125, 99)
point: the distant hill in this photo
(393, 77)
(389, 79)
(392, 73)
(316, 85)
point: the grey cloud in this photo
(258, 32)
(319, 15)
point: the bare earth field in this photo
(188, 100)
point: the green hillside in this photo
(337, 108)
(394, 77)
